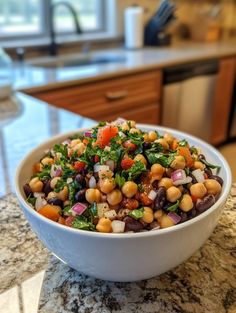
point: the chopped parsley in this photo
(136, 214)
(174, 207)
(82, 222)
(134, 171)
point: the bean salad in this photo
(118, 178)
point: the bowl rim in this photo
(159, 232)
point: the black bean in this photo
(217, 178)
(55, 201)
(160, 199)
(194, 181)
(208, 171)
(132, 225)
(205, 203)
(80, 180)
(46, 187)
(27, 190)
(192, 213)
(147, 145)
(80, 195)
(201, 157)
(183, 216)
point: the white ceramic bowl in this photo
(131, 256)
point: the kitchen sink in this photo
(76, 61)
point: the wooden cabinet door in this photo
(222, 100)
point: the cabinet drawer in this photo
(107, 96)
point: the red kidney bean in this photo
(27, 190)
(80, 195)
(194, 181)
(55, 201)
(160, 199)
(132, 225)
(205, 203)
(217, 178)
(147, 145)
(46, 187)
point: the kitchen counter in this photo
(29, 78)
(31, 276)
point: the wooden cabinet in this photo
(134, 96)
(222, 100)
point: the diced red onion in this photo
(183, 181)
(111, 165)
(198, 174)
(69, 180)
(56, 171)
(92, 182)
(152, 195)
(79, 208)
(98, 168)
(174, 217)
(118, 226)
(69, 220)
(88, 134)
(178, 175)
(39, 203)
(39, 194)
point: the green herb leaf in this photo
(119, 180)
(81, 222)
(209, 164)
(93, 210)
(31, 200)
(160, 158)
(141, 188)
(45, 174)
(134, 171)
(59, 185)
(183, 143)
(136, 214)
(67, 210)
(173, 207)
(61, 149)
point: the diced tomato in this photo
(126, 163)
(50, 211)
(61, 220)
(37, 168)
(144, 199)
(85, 141)
(96, 159)
(174, 144)
(129, 145)
(185, 152)
(79, 166)
(194, 198)
(105, 134)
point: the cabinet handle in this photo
(116, 95)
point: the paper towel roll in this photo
(133, 18)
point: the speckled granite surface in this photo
(205, 283)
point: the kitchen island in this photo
(204, 283)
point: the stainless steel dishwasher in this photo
(187, 98)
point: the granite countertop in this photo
(32, 280)
(31, 79)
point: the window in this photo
(27, 19)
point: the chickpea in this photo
(114, 197)
(80, 147)
(165, 182)
(141, 158)
(186, 203)
(51, 195)
(105, 174)
(157, 171)
(104, 225)
(148, 216)
(38, 167)
(146, 137)
(129, 189)
(132, 124)
(47, 161)
(152, 136)
(165, 221)
(93, 195)
(212, 186)
(53, 182)
(63, 194)
(74, 142)
(134, 131)
(178, 163)
(173, 194)
(199, 165)
(169, 138)
(198, 190)
(163, 142)
(36, 185)
(158, 214)
(107, 185)
(125, 126)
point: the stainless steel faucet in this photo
(53, 45)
